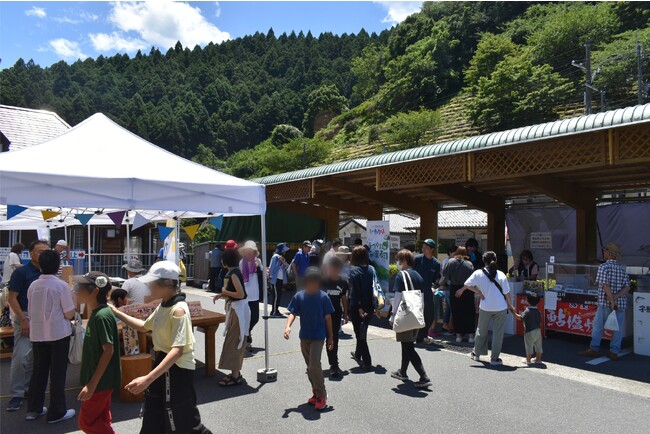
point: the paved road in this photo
(466, 396)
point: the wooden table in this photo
(208, 323)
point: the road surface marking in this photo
(604, 359)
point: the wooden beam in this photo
(470, 197)
(371, 212)
(429, 221)
(307, 209)
(566, 192)
(385, 197)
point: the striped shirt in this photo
(613, 274)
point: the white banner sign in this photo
(541, 240)
(461, 239)
(379, 242)
(394, 242)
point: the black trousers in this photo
(255, 317)
(333, 355)
(187, 419)
(409, 355)
(360, 326)
(215, 274)
(428, 319)
(277, 297)
(50, 359)
(463, 311)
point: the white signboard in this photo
(541, 240)
(379, 242)
(77, 254)
(394, 242)
(461, 239)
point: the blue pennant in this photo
(14, 210)
(217, 222)
(164, 232)
(84, 218)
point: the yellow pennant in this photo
(47, 215)
(192, 230)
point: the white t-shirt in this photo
(9, 266)
(137, 290)
(494, 300)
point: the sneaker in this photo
(68, 415)
(474, 357)
(459, 339)
(526, 362)
(335, 372)
(14, 404)
(433, 334)
(32, 415)
(313, 400)
(423, 383)
(321, 403)
(496, 362)
(399, 376)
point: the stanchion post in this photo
(266, 375)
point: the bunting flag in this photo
(84, 218)
(164, 232)
(139, 221)
(191, 230)
(47, 214)
(217, 222)
(116, 217)
(14, 210)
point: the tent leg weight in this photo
(267, 375)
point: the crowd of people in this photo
(333, 287)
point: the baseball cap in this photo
(62, 243)
(95, 279)
(429, 242)
(161, 270)
(306, 243)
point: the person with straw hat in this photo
(613, 287)
(252, 272)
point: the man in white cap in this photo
(135, 289)
(61, 248)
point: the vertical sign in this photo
(379, 242)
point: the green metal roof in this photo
(581, 124)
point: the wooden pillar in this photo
(332, 221)
(429, 221)
(375, 214)
(496, 233)
(586, 234)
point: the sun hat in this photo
(281, 248)
(62, 243)
(95, 279)
(343, 251)
(429, 242)
(134, 266)
(249, 245)
(161, 270)
(613, 248)
(231, 244)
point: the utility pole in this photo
(586, 67)
(639, 71)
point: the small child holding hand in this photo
(532, 319)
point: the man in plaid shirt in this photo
(613, 287)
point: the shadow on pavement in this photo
(307, 411)
(501, 368)
(407, 389)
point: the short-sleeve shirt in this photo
(416, 279)
(612, 273)
(101, 329)
(429, 269)
(311, 308)
(215, 258)
(169, 331)
(532, 319)
(49, 298)
(336, 290)
(20, 281)
(137, 290)
(9, 266)
(494, 301)
(302, 262)
(458, 271)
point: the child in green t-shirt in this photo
(100, 360)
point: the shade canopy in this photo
(98, 164)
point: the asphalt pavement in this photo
(568, 396)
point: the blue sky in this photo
(51, 31)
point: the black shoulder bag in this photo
(498, 285)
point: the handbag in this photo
(378, 295)
(410, 312)
(76, 340)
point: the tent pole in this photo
(128, 238)
(89, 249)
(266, 375)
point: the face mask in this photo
(399, 266)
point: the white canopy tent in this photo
(98, 164)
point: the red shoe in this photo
(313, 400)
(321, 403)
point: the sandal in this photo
(229, 380)
(225, 379)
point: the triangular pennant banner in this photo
(49, 214)
(191, 230)
(116, 217)
(164, 232)
(139, 221)
(217, 222)
(84, 218)
(14, 210)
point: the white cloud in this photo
(36, 12)
(115, 41)
(82, 17)
(217, 12)
(67, 20)
(88, 16)
(163, 23)
(66, 49)
(397, 11)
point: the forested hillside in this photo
(265, 104)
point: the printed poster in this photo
(379, 242)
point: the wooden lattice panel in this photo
(551, 156)
(633, 144)
(288, 191)
(442, 170)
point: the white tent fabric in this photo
(100, 164)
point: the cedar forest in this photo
(268, 103)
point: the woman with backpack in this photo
(408, 280)
(492, 287)
(361, 308)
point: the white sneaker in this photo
(32, 415)
(459, 339)
(68, 415)
(471, 339)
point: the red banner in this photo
(573, 318)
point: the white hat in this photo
(248, 245)
(62, 243)
(161, 270)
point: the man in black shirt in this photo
(337, 290)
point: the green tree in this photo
(284, 133)
(205, 156)
(322, 105)
(407, 130)
(491, 50)
(368, 71)
(517, 93)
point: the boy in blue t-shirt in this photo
(315, 309)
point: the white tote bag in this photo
(612, 322)
(410, 313)
(76, 340)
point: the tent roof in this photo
(102, 165)
(25, 127)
